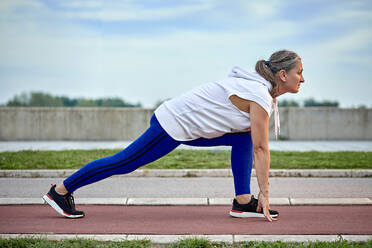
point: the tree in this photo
(67, 102)
(46, 100)
(39, 99)
(311, 102)
(288, 103)
(19, 100)
(83, 102)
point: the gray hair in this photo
(280, 60)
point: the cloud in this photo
(78, 48)
(261, 9)
(352, 41)
(7, 6)
(132, 11)
(80, 4)
(102, 10)
(47, 50)
(83, 61)
(352, 12)
(349, 47)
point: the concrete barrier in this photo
(41, 123)
(324, 123)
(73, 123)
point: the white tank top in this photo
(207, 112)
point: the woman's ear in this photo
(282, 75)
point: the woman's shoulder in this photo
(250, 86)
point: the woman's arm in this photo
(261, 154)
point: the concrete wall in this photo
(324, 124)
(73, 123)
(130, 123)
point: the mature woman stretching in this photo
(232, 112)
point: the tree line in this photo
(310, 102)
(40, 99)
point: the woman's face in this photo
(293, 79)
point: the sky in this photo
(146, 51)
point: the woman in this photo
(233, 112)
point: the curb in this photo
(192, 173)
(168, 239)
(194, 201)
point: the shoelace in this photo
(254, 201)
(70, 201)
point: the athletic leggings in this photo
(155, 143)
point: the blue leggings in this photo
(155, 143)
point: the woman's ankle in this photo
(243, 199)
(61, 189)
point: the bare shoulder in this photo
(240, 103)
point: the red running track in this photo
(185, 220)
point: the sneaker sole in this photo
(59, 210)
(240, 214)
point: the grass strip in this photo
(185, 243)
(185, 159)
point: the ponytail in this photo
(263, 69)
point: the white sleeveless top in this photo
(207, 112)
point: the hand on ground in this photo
(263, 202)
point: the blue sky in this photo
(144, 51)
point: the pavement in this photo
(165, 206)
(188, 188)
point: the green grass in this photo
(75, 243)
(185, 243)
(185, 159)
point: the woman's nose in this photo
(302, 80)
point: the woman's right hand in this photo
(263, 202)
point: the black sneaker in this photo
(63, 204)
(249, 210)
